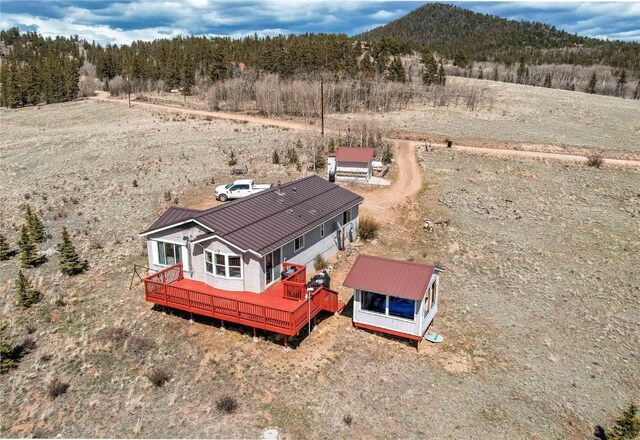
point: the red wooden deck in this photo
(282, 308)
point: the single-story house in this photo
(351, 163)
(246, 261)
(240, 246)
(393, 296)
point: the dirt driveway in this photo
(103, 96)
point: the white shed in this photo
(393, 296)
(352, 163)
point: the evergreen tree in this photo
(332, 146)
(442, 78)
(36, 228)
(26, 295)
(396, 71)
(621, 82)
(460, 60)
(627, 426)
(188, 76)
(28, 252)
(496, 76)
(4, 248)
(547, 81)
(480, 75)
(522, 73)
(69, 262)
(591, 86)
(367, 67)
(275, 157)
(430, 73)
(320, 158)
(636, 92)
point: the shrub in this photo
(627, 426)
(595, 160)
(368, 228)
(233, 160)
(168, 196)
(8, 359)
(116, 335)
(135, 183)
(347, 419)
(227, 404)
(137, 346)
(5, 252)
(275, 157)
(70, 262)
(26, 295)
(56, 388)
(158, 377)
(319, 263)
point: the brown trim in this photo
(387, 331)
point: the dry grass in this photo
(368, 228)
(595, 160)
(227, 404)
(57, 388)
(158, 376)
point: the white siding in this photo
(346, 170)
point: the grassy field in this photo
(538, 306)
(523, 114)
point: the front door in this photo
(272, 266)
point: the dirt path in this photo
(103, 96)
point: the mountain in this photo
(451, 30)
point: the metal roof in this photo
(267, 220)
(404, 279)
(355, 154)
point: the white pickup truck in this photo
(239, 188)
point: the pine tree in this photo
(547, 81)
(480, 75)
(4, 248)
(496, 75)
(442, 78)
(367, 68)
(187, 76)
(320, 159)
(621, 82)
(28, 252)
(396, 71)
(430, 73)
(275, 157)
(69, 262)
(627, 426)
(593, 81)
(26, 295)
(332, 146)
(522, 72)
(36, 228)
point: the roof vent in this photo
(313, 212)
(279, 189)
(281, 201)
(294, 189)
(290, 211)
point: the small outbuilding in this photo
(352, 163)
(392, 296)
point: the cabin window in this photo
(373, 302)
(346, 217)
(298, 243)
(168, 253)
(401, 307)
(223, 265)
(322, 230)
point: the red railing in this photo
(160, 289)
(295, 284)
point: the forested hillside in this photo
(462, 35)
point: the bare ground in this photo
(538, 305)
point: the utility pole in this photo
(321, 106)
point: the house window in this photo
(235, 268)
(223, 265)
(346, 217)
(298, 243)
(401, 307)
(322, 230)
(373, 302)
(168, 253)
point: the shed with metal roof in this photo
(394, 296)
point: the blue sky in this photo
(122, 21)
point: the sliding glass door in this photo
(272, 266)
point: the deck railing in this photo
(295, 284)
(160, 289)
